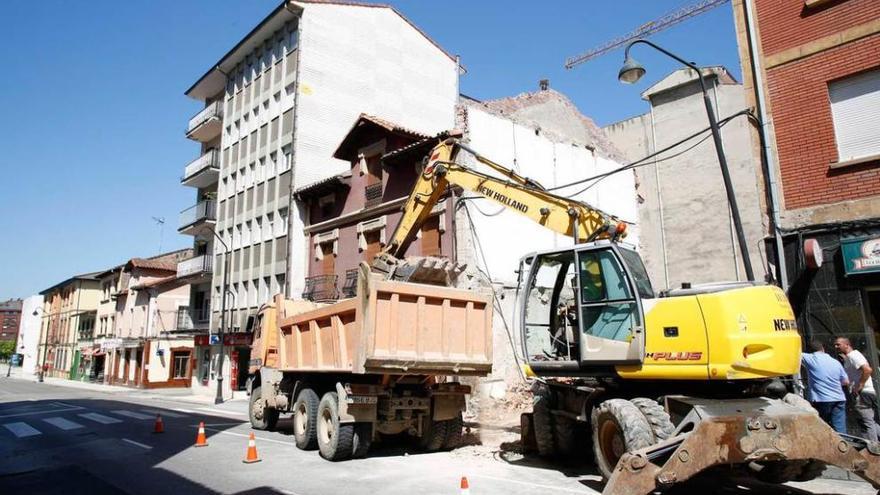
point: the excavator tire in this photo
(542, 415)
(661, 424)
(565, 435)
(785, 471)
(618, 427)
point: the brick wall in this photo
(788, 23)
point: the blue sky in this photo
(93, 111)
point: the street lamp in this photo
(45, 343)
(218, 398)
(632, 71)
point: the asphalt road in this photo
(60, 440)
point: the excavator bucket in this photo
(762, 432)
(419, 269)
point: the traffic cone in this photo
(251, 451)
(201, 441)
(465, 488)
(159, 427)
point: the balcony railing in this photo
(373, 194)
(321, 289)
(195, 265)
(208, 160)
(212, 111)
(203, 210)
(191, 318)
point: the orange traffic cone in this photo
(159, 427)
(465, 487)
(251, 451)
(201, 441)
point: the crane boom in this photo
(647, 29)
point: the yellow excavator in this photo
(665, 385)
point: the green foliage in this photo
(6, 349)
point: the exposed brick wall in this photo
(805, 138)
(787, 23)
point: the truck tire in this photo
(618, 427)
(543, 418)
(454, 432)
(305, 418)
(335, 439)
(363, 437)
(433, 434)
(661, 424)
(262, 416)
(564, 434)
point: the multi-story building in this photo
(812, 69)
(69, 310)
(276, 106)
(686, 233)
(10, 317)
(29, 334)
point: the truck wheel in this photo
(363, 437)
(618, 427)
(454, 429)
(564, 431)
(544, 424)
(433, 434)
(661, 424)
(305, 417)
(262, 416)
(335, 439)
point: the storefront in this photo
(236, 354)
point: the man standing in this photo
(861, 387)
(826, 383)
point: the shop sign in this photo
(111, 344)
(228, 339)
(861, 255)
(200, 340)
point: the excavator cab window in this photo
(550, 310)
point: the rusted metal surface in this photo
(777, 432)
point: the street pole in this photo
(719, 150)
(45, 345)
(218, 398)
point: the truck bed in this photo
(391, 328)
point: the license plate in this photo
(362, 399)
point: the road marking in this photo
(222, 424)
(163, 413)
(187, 411)
(242, 435)
(21, 430)
(537, 485)
(64, 424)
(141, 445)
(100, 418)
(223, 411)
(131, 414)
(54, 410)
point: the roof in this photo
(148, 264)
(324, 186)
(681, 77)
(347, 149)
(154, 283)
(11, 305)
(84, 276)
(286, 11)
(418, 149)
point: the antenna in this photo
(160, 222)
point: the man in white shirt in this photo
(861, 388)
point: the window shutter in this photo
(855, 106)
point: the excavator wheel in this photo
(618, 427)
(542, 415)
(655, 413)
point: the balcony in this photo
(321, 289)
(373, 195)
(197, 217)
(193, 318)
(206, 124)
(195, 266)
(203, 171)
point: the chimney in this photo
(544, 84)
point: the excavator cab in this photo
(582, 309)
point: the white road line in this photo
(21, 430)
(187, 411)
(242, 435)
(222, 411)
(221, 424)
(64, 424)
(141, 445)
(131, 414)
(100, 418)
(67, 408)
(167, 414)
(536, 485)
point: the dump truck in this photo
(373, 365)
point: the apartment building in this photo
(276, 107)
(69, 310)
(10, 317)
(29, 334)
(812, 70)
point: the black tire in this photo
(564, 434)
(454, 432)
(363, 438)
(811, 470)
(305, 418)
(335, 439)
(542, 415)
(262, 417)
(661, 423)
(618, 427)
(433, 434)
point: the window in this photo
(180, 364)
(431, 237)
(855, 104)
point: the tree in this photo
(7, 347)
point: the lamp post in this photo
(45, 343)
(632, 71)
(218, 398)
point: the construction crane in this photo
(647, 29)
